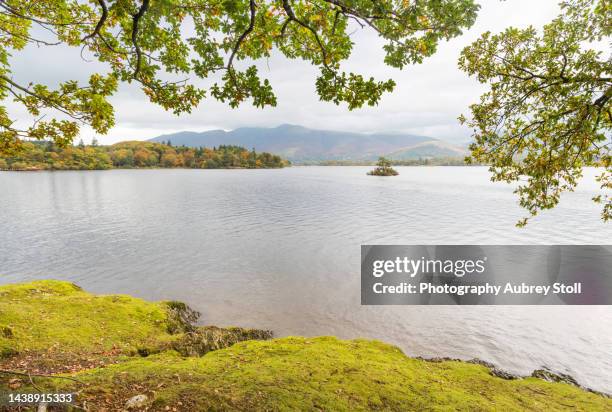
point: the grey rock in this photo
(477, 361)
(135, 402)
(550, 376)
(503, 374)
(438, 359)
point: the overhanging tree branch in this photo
(100, 23)
(135, 22)
(243, 36)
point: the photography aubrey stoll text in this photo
(478, 290)
(458, 268)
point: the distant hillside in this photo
(299, 144)
(428, 150)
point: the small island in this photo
(383, 168)
(135, 154)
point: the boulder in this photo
(136, 402)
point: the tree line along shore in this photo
(135, 154)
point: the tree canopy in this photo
(548, 110)
(133, 154)
(143, 41)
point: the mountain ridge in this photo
(299, 143)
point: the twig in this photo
(29, 375)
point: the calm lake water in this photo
(280, 249)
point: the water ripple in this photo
(279, 249)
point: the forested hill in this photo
(301, 144)
(132, 154)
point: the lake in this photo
(280, 250)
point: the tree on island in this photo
(546, 116)
(384, 168)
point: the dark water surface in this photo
(280, 249)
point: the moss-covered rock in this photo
(53, 326)
(60, 318)
(287, 374)
(209, 338)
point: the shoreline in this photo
(131, 338)
(34, 169)
(292, 165)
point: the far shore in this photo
(320, 164)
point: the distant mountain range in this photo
(300, 144)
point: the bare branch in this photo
(244, 35)
(29, 375)
(101, 22)
(135, 20)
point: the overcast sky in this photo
(427, 100)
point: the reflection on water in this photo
(280, 249)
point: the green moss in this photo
(284, 374)
(323, 374)
(53, 326)
(43, 315)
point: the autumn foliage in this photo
(127, 155)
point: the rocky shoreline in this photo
(121, 353)
(543, 373)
